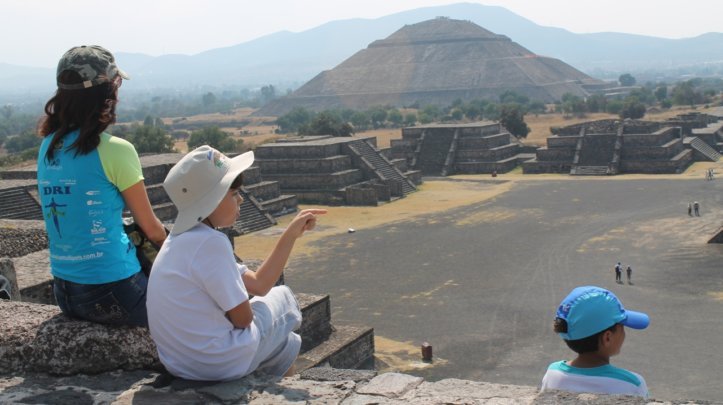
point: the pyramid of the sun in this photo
(436, 62)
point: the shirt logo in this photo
(55, 213)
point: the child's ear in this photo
(606, 338)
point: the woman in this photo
(85, 179)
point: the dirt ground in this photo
(458, 233)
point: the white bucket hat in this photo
(198, 183)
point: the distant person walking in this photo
(629, 272)
(690, 209)
(619, 273)
(696, 208)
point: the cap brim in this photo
(636, 320)
(189, 217)
(123, 74)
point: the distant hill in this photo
(290, 59)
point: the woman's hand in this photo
(304, 221)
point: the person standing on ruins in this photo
(618, 273)
(696, 208)
(690, 209)
(85, 179)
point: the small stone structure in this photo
(446, 149)
(335, 170)
(607, 147)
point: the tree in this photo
(632, 108)
(268, 93)
(685, 93)
(19, 143)
(472, 111)
(513, 119)
(150, 139)
(626, 79)
(326, 123)
(596, 103)
(378, 115)
(573, 105)
(208, 99)
(216, 138)
(291, 121)
(360, 120)
(456, 114)
(7, 111)
(395, 117)
(661, 93)
(410, 119)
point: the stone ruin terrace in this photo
(446, 149)
(335, 170)
(607, 147)
(38, 338)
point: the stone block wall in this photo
(323, 165)
(562, 142)
(656, 138)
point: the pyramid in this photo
(436, 62)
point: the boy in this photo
(199, 312)
(592, 322)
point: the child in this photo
(199, 312)
(592, 322)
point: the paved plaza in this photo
(481, 283)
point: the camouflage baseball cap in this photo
(95, 64)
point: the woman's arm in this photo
(136, 200)
(262, 280)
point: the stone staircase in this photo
(704, 149)
(433, 153)
(252, 216)
(322, 344)
(590, 171)
(18, 203)
(382, 167)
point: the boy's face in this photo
(228, 209)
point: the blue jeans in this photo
(121, 302)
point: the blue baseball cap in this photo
(589, 310)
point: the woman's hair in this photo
(90, 110)
(584, 345)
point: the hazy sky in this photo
(37, 32)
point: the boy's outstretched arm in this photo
(261, 281)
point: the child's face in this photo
(228, 209)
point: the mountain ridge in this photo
(288, 59)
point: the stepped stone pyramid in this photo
(335, 170)
(436, 62)
(446, 149)
(607, 147)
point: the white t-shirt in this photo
(606, 379)
(194, 282)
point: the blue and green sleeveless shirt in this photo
(80, 196)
